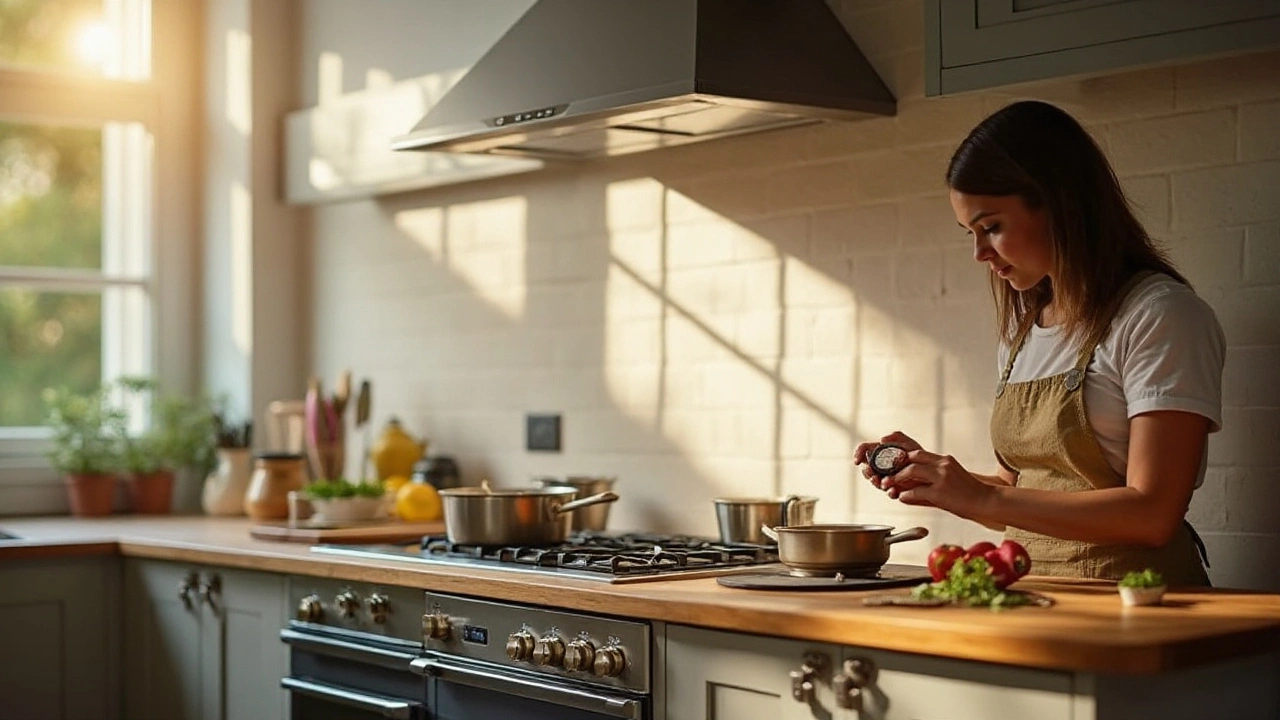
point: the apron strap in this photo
(1199, 543)
(1018, 339)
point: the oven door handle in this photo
(347, 650)
(611, 705)
(383, 706)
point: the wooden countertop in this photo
(1086, 630)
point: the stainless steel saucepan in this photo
(525, 516)
(740, 518)
(824, 550)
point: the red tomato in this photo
(1000, 570)
(942, 558)
(1015, 556)
(979, 549)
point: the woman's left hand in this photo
(939, 481)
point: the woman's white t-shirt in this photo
(1165, 351)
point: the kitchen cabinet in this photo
(972, 44)
(202, 643)
(59, 639)
(715, 675)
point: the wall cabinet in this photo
(971, 44)
(202, 643)
(60, 639)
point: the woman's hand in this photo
(897, 437)
(938, 481)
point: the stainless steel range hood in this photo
(578, 79)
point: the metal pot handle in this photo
(604, 497)
(788, 508)
(915, 533)
(769, 532)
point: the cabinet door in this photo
(914, 687)
(248, 613)
(164, 655)
(714, 675)
(984, 43)
(59, 639)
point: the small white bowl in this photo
(1141, 596)
(348, 509)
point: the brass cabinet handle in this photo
(802, 680)
(186, 588)
(859, 673)
(209, 589)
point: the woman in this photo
(1110, 365)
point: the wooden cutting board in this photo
(373, 531)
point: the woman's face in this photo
(1013, 240)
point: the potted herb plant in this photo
(225, 487)
(180, 435)
(1144, 587)
(87, 444)
(342, 501)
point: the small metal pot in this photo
(591, 518)
(824, 550)
(740, 519)
(533, 516)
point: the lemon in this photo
(418, 501)
(393, 483)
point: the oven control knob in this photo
(579, 655)
(379, 606)
(548, 651)
(348, 602)
(609, 662)
(436, 626)
(520, 646)
(310, 609)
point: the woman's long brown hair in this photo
(1041, 154)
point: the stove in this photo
(603, 557)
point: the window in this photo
(82, 197)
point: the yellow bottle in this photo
(395, 452)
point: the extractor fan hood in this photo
(579, 79)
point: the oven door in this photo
(466, 690)
(336, 678)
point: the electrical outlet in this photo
(542, 432)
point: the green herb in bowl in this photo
(1144, 587)
(340, 488)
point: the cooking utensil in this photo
(594, 517)
(527, 516)
(740, 519)
(816, 550)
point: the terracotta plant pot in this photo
(90, 494)
(151, 493)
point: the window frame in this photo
(168, 104)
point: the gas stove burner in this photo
(587, 555)
(626, 554)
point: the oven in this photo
(489, 659)
(359, 652)
(350, 652)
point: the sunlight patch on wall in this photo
(483, 244)
(238, 90)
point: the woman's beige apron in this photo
(1040, 431)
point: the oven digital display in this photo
(475, 634)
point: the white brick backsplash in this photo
(1260, 131)
(929, 221)
(1209, 258)
(1262, 255)
(1149, 197)
(1248, 316)
(1228, 81)
(1229, 195)
(1242, 383)
(1176, 141)
(733, 317)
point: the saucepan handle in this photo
(915, 533)
(789, 509)
(604, 497)
(769, 532)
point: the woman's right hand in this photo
(897, 437)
